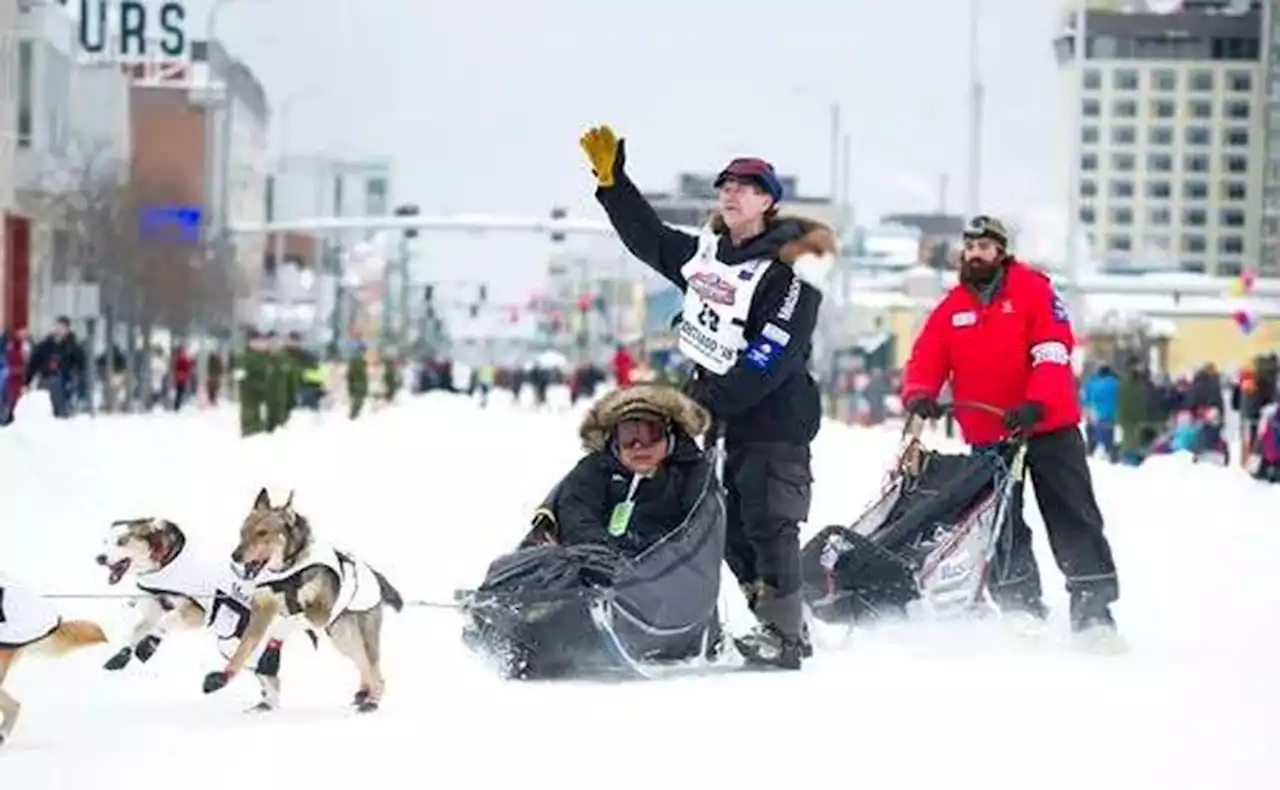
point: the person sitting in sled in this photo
(641, 475)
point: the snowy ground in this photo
(429, 492)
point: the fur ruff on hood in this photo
(666, 402)
(811, 255)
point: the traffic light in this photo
(408, 210)
(558, 213)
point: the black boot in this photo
(779, 640)
(752, 593)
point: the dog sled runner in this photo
(549, 611)
(929, 540)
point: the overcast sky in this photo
(480, 103)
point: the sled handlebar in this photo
(915, 424)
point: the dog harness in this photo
(358, 589)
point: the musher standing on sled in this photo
(751, 286)
(1003, 338)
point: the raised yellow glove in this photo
(605, 152)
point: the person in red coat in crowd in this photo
(1002, 337)
(184, 368)
(15, 364)
(624, 367)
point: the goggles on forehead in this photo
(640, 432)
(986, 227)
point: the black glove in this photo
(924, 407)
(1022, 418)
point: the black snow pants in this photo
(1064, 493)
(769, 486)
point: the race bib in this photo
(229, 618)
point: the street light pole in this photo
(976, 99)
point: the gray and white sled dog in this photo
(301, 581)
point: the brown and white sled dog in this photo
(185, 589)
(30, 626)
(300, 580)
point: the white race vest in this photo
(358, 590)
(717, 302)
(210, 584)
(25, 617)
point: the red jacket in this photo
(624, 366)
(1014, 349)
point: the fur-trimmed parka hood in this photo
(807, 246)
(665, 402)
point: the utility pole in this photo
(976, 100)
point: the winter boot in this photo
(1092, 624)
(752, 593)
(778, 641)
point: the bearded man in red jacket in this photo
(1002, 337)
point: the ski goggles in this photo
(755, 171)
(640, 432)
(987, 227)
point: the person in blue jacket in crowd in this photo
(1101, 404)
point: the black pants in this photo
(769, 489)
(1064, 492)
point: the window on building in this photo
(1235, 48)
(1195, 163)
(1234, 190)
(1236, 164)
(1236, 110)
(1087, 215)
(1123, 135)
(1230, 244)
(1159, 190)
(270, 194)
(1088, 188)
(1197, 135)
(1089, 135)
(1195, 190)
(1122, 216)
(1200, 109)
(1092, 79)
(1090, 108)
(1229, 267)
(1200, 81)
(1124, 108)
(1236, 137)
(1159, 216)
(1160, 135)
(1123, 163)
(1119, 242)
(1239, 82)
(1125, 79)
(1162, 109)
(26, 93)
(1193, 243)
(1089, 162)
(1164, 81)
(1194, 217)
(1120, 188)
(1231, 218)
(1191, 266)
(1159, 163)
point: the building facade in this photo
(1168, 110)
(1270, 131)
(12, 280)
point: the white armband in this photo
(1052, 353)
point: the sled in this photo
(547, 611)
(927, 543)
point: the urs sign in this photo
(132, 29)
